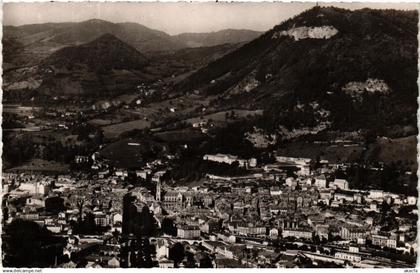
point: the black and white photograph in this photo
(209, 135)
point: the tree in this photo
(168, 226)
(26, 244)
(142, 252)
(205, 262)
(5, 213)
(148, 222)
(80, 205)
(316, 239)
(190, 263)
(303, 247)
(177, 253)
(54, 204)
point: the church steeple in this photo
(158, 190)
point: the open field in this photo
(221, 116)
(19, 110)
(40, 165)
(113, 131)
(99, 122)
(333, 153)
(398, 149)
(130, 152)
(179, 107)
(385, 150)
(182, 135)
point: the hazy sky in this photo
(172, 18)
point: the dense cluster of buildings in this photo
(265, 219)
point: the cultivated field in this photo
(40, 165)
(113, 131)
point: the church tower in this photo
(158, 190)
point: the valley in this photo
(125, 146)
(122, 87)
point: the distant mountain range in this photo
(325, 68)
(36, 42)
(227, 36)
(106, 66)
(103, 54)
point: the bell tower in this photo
(158, 190)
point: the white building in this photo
(117, 218)
(352, 257)
(290, 181)
(162, 249)
(321, 182)
(35, 201)
(383, 241)
(275, 191)
(341, 184)
(188, 232)
(344, 197)
(230, 159)
(274, 233)
(114, 263)
(35, 188)
(166, 264)
(298, 233)
(376, 194)
(411, 200)
(143, 173)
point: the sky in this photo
(172, 17)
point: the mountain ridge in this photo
(37, 41)
(104, 53)
(304, 60)
(102, 67)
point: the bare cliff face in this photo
(355, 89)
(300, 33)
